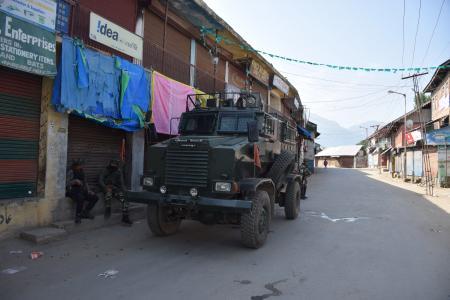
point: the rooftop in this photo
(347, 150)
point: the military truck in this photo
(230, 164)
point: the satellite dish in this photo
(409, 124)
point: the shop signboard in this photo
(63, 16)
(280, 84)
(38, 12)
(27, 47)
(112, 35)
(259, 72)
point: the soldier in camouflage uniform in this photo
(112, 182)
(305, 173)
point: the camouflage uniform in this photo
(112, 182)
(305, 173)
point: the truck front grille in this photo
(187, 167)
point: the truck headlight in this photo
(223, 186)
(148, 181)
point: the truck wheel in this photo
(255, 223)
(158, 223)
(281, 166)
(292, 201)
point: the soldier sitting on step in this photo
(112, 182)
(78, 189)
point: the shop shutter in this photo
(153, 41)
(20, 105)
(177, 56)
(95, 144)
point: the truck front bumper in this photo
(234, 205)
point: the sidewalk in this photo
(440, 198)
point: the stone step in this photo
(136, 212)
(43, 235)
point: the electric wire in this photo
(403, 34)
(432, 34)
(417, 31)
(339, 82)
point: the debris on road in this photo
(15, 252)
(36, 254)
(109, 274)
(14, 270)
(334, 220)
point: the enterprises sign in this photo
(107, 33)
(26, 47)
(39, 12)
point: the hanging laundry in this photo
(134, 90)
(106, 89)
(169, 101)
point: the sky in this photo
(349, 33)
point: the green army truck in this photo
(230, 164)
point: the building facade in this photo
(38, 142)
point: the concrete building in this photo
(37, 143)
(341, 156)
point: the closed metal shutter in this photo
(153, 41)
(95, 144)
(20, 107)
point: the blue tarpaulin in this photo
(107, 89)
(303, 132)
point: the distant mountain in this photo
(333, 134)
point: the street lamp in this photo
(404, 132)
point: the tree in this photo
(423, 98)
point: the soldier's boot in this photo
(77, 219)
(107, 212)
(87, 215)
(126, 219)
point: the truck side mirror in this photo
(252, 131)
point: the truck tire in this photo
(281, 167)
(255, 223)
(292, 200)
(157, 222)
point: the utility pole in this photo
(426, 166)
(367, 131)
(376, 126)
(404, 133)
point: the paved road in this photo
(398, 248)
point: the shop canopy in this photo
(303, 132)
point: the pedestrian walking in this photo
(112, 182)
(325, 162)
(77, 188)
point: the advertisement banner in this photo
(26, 47)
(107, 33)
(39, 12)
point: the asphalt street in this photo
(356, 238)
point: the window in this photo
(197, 123)
(269, 125)
(235, 122)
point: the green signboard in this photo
(27, 47)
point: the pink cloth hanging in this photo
(168, 102)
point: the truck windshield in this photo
(197, 123)
(234, 123)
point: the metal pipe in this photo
(165, 32)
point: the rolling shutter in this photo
(20, 107)
(95, 144)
